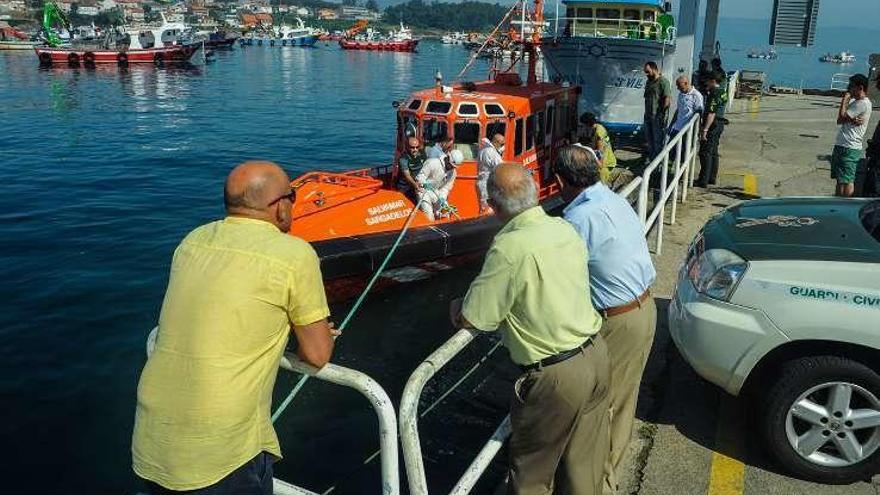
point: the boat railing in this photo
(840, 81)
(592, 27)
(349, 185)
(367, 387)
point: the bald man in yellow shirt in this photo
(238, 288)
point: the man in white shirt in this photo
(690, 103)
(437, 177)
(489, 158)
(852, 117)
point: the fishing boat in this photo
(763, 55)
(13, 39)
(166, 43)
(603, 46)
(219, 39)
(400, 40)
(353, 218)
(301, 35)
(456, 38)
(843, 57)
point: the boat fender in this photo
(73, 59)
(89, 58)
(122, 58)
(158, 58)
(271, 42)
(45, 58)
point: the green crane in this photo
(53, 16)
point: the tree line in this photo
(464, 16)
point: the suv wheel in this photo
(822, 419)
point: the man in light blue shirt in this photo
(621, 273)
(690, 103)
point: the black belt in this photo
(557, 358)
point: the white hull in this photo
(610, 72)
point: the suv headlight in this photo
(716, 272)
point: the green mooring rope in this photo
(360, 300)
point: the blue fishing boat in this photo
(602, 46)
(300, 35)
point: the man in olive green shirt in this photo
(534, 290)
(238, 288)
(658, 99)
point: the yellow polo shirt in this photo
(534, 288)
(204, 397)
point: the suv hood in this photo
(828, 229)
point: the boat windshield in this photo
(467, 138)
(433, 130)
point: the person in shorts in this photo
(852, 117)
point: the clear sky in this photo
(838, 13)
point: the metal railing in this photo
(840, 81)
(681, 151)
(565, 27)
(370, 389)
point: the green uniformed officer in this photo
(713, 127)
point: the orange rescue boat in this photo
(352, 219)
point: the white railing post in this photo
(476, 468)
(642, 202)
(676, 178)
(660, 220)
(378, 399)
(695, 144)
(409, 408)
(686, 139)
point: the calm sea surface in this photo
(104, 171)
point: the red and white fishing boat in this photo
(397, 41)
(149, 45)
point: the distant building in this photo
(65, 6)
(14, 5)
(88, 7)
(350, 12)
(251, 20)
(327, 14)
(200, 13)
(136, 14)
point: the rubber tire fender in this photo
(45, 59)
(122, 58)
(794, 378)
(89, 58)
(73, 59)
(159, 58)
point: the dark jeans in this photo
(655, 134)
(253, 478)
(709, 155)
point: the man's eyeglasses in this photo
(291, 196)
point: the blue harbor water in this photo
(103, 171)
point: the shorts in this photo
(844, 162)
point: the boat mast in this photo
(534, 40)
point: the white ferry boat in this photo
(602, 46)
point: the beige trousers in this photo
(560, 436)
(629, 337)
